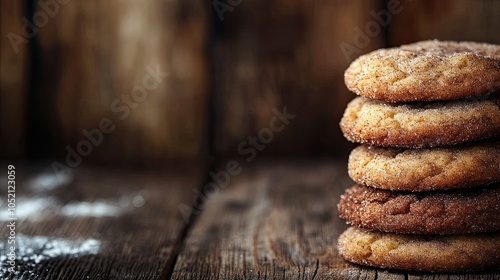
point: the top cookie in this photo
(426, 71)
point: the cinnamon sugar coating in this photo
(426, 71)
(448, 253)
(451, 212)
(422, 124)
(461, 166)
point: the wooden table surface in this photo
(273, 220)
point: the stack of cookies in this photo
(428, 168)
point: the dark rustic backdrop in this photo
(229, 64)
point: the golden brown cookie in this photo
(424, 124)
(440, 168)
(452, 212)
(425, 71)
(444, 253)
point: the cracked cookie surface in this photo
(426, 71)
(449, 253)
(422, 124)
(461, 166)
(452, 212)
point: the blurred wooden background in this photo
(229, 63)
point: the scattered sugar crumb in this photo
(138, 201)
(37, 208)
(32, 250)
(91, 209)
(48, 181)
(28, 208)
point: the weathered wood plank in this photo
(99, 224)
(273, 54)
(13, 79)
(141, 66)
(460, 20)
(277, 221)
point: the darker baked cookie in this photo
(443, 253)
(452, 212)
(424, 124)
(439, 168)
(426, 71)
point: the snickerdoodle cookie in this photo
(426, 71)
(422, 124)
(461, 166)
(446, 212)
(442, 253)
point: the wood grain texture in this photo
(460, 20)
(273, 54)
(13, 80)
(94, 59)
(277, 221)
(132, 216)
